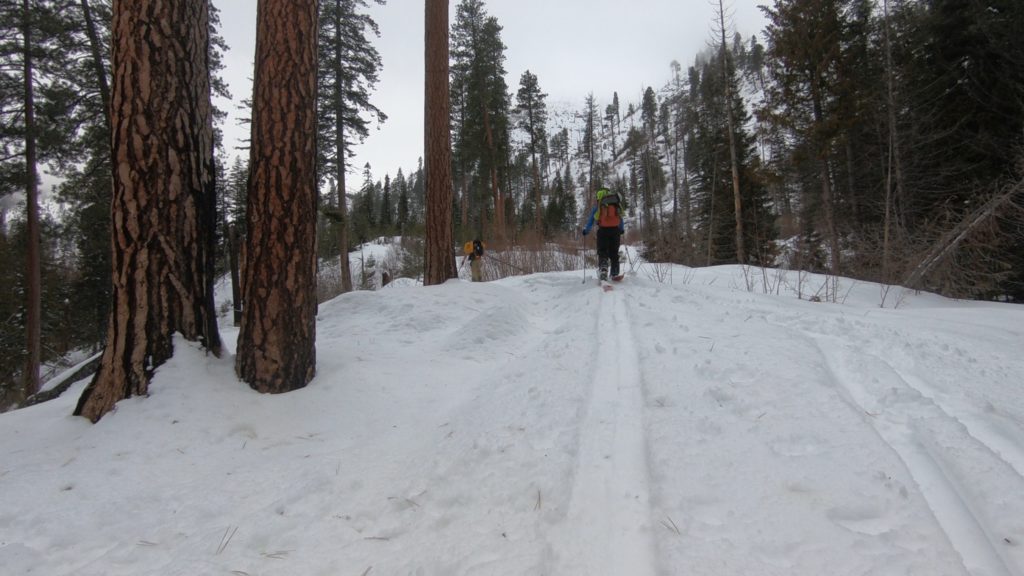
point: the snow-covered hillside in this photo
(538, 425)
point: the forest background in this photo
(866, 139)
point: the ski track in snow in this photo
(909, 421)
(609, 508)
(1005, 439)
(537, 426)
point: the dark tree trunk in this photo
(341, 163)
(440, 260)
(163, 187)
(741, 251)
(277, 340)
(33, 283)
(236, 285)
(500, 229)
(96, 51)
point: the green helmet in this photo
(602, 192)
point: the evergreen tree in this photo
(418, 195)
(650, 174)
(805, 48)
(559, 147)
(481, 110)
(403, 216)
(163, 210)
(728, 75)
(588, 144)
(532, 115)
(386, 220)
(33, 274)
(277, 338)
(435, 172)
(235, 191)
(366, 209)
(613, 119)
(709, 160)
(349, 66)
(964, 60)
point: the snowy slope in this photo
(537, 425)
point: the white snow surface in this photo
(538, 425)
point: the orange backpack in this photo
(608, 211)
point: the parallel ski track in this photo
(609, 508)
(928, 464)
(1005, 442)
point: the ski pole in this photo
(583, 254)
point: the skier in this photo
(474, 253)
(610, 227)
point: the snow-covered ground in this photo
(537, 425)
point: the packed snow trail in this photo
(462, 430)
(609, 509)
(935, 437)
(747, 427)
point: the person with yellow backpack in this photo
(607, 216)
(474, 253)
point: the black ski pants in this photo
(608, 240)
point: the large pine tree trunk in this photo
(277, 340)
(33, 283)
(162, 146)
(440, 260)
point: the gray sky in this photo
(575, 47)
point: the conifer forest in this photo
(880, 140)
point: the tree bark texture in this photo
(440, 260)
(163, 187)
(33, 274)
(277, 340)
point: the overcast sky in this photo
(575, 47)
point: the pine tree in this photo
(403, 216)
(277, 339)
(162, 209)
(33, 282)
(386, 220)
(588, 144)
(481, 111)
(348, 71)
(531, 110)
(728, 73)
(613, 119)
(650, 175)
(439, 260)
(710, 165)
(235, 191)
(559, 146)
(804, 47)
(963, 59)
